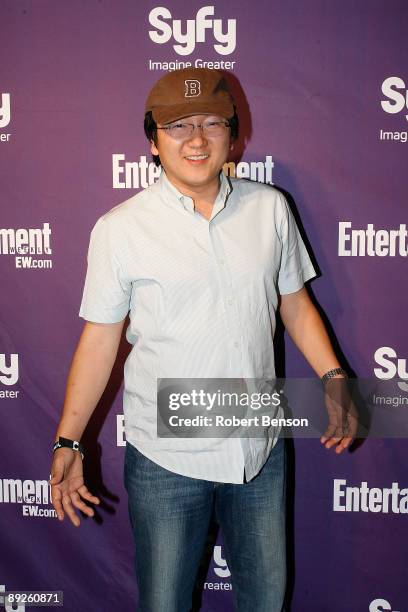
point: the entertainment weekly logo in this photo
(395, 102)
(142, 173)
(24, 245)
(362, 498)
(34, 496)
(185, 35)
(372, 242)
(5, 116)
(9, 375)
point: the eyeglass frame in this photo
(167, 128)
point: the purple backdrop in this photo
(325, 116)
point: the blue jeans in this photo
(170, 516)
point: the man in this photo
(201, 263)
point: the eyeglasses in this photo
(182, 131)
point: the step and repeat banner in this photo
(322, 96)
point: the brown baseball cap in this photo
(190, 91)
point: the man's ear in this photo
(154, 150)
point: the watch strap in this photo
(332, 373)
(67, 443)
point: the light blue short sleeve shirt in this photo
(201, 296)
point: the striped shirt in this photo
(201, 296)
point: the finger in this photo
(66, 502)
(85, 494)
(331, 432)
(56, 502)
(332, 442)
(353, 426)
(78, 503)
(345, 442)
(57, 475)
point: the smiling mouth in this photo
(201, 157)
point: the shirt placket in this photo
(232, 318)
(232, 321)
(209, 234)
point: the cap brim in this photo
(167, 114)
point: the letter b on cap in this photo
(193, 88)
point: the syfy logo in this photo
(194, 30)
(391, 366)
(9, 373)
(10, 607)
(5, 112)
(222, 570)
(394, 89)
(380, 605)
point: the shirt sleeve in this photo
(295, 266)
(106, 294)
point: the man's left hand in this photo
(342, 413)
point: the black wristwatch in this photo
(66, 443)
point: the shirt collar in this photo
(173, 195)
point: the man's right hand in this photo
(67, 486)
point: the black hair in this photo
(150, 129)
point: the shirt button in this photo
(230, 301)
(236, 344)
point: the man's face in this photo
(193, 163)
